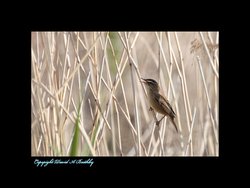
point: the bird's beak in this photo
(143, 80)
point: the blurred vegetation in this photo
(87, 98)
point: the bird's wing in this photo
(168, 108)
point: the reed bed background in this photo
(87, 98)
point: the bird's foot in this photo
(157, 123)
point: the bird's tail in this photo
(172, 120)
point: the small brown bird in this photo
(158, 102)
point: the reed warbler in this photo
(158, 102)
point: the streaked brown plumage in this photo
(158, 102)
